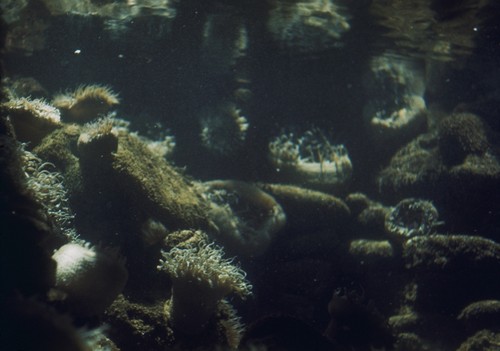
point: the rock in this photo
(308, 209)
(450, 270)
(371, 249)
(461, 134)
(481, 315)
(484, 340)
(154, 186)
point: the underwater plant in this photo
(310, 158)
(201, 278)
(86, 103)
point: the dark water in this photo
(388, 110)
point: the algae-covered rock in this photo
(308, 208)
(139, 325)
(484, 340)
(410, 342)
(468, 191)
(452, 271)
(59, 148)
(371, 250)
(446, 252)
(130, 180)
(462, 189)
(412, 170)
(357, 202)
(155, 186)
(25, 264)
(406, 321)
(372, 220)
(481, 315)
(460, 135)
(369, 216)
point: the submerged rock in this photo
(447, 264)
(481, 315)
(121, 172)
(155, 186)
(453, 169)
(307, 208)
(451, 251)
(460, 135)
(484, 340)
(371, 250)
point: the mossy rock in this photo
(413, 170)
(481, 315)
(460, 135)
(452, 271)
(155, 186)
(121, 190)
(484, 340)
(59, 148)
(307, 208)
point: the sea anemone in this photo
(396, 111)
(310, 158)
(86, 103)
(90, 278)
(153, 232)
(223, 129)
(246, 217)
(201, 278)
(32, 119)
(409, 116)
(307, 26)
(99, 139)
(411, 217)
(47, 187)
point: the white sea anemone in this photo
(89, 277)
(310, 158)
(246, 217)
(47, 186)
(223, 129)
(411, 217)
(201, 277)
(32, 119)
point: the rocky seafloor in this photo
(236, 233)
